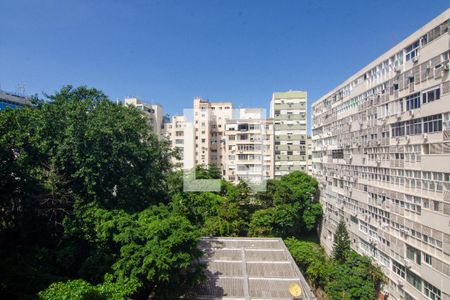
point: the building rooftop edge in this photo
(397, 48)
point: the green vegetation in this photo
(341, 242)
(348, 276)
(90, 209)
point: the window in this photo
(432, 123)
(412, 50)
(427, 258)
(398, 269)
(413, 101)
(431, 95)
(413, 127)
(431, 291)
(409, 297)
(337, 154)
(413, 254)
(414, 280)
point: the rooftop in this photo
(248, 268)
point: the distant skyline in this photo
(168, 52)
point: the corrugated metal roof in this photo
(248, 268)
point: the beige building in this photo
(209, 123)
(288, 110)
(381, 152)
(248, 147)
(154, 112)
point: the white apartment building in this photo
(180, 132)
(381, 152)
(288, 110)
(154, 112)
(209, 124)
(248, 147)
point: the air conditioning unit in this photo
(400, 283)
(415, 59)
(398, 69)
(425, 136)
(446, 66)
(408, 264)
(411, 113)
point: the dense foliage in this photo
(352, 278)
(83, 194)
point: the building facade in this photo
(154, 112)
(179, 131)
(209, 124)
(248, 144)
(12, 100)
(381, 152)
(288, 110)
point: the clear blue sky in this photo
(170, 51)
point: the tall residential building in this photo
(209, 124)
(248, 144)
(154, 112)
(288, 110)
(381, 152)
(12, 100)
(179, 131)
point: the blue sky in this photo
(170, 51)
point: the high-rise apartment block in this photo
(243, 142)
(248, 143)
(209, 123)
(381, 152)
(288, 110)
(180, 133)
(154, 112)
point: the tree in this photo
(341, 245)
(76, 148)
(298, 191)
(354, 278)
(311, 259)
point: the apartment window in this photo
(428, 259)
(337, 154)
(431, 291)
(413, 254)
(398, 269)
(398, 129)
(413, 101)
(414, 280)
(412, 50)
(413, 127)
(409, 297)
(432, 123)
(431, 95)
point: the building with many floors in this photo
(288, 110)
(209, 124)
(243, 142)
(248, 147)
(381, 152)
(154, 112)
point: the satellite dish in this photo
(295, 290)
